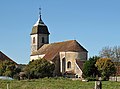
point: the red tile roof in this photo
(52, 50)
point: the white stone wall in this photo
(38, 41)
(36, 57)
(34, 45)
(69, 57)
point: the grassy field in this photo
(53, 83)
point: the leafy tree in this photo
(105, 67)
(39, 68)
(8, 68)
(89, 68)
(114, 54)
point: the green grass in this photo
(55, 83)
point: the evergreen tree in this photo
(89, 68)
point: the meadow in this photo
(55, 83)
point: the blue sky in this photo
(93, 23)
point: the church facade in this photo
(68, 56)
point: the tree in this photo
(39, 68)
(116, 50)
(107, 52)
(105, 67)
(111, 52)
(8, 68)
(114, 54)
(89, 68)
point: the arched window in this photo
(69, 64)
(33, 40)
(43, 40)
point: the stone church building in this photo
(68, 56)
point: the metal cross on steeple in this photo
(40, 12)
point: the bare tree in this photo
(116, 50)
(111, 52)
(107, 52)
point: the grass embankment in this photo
(53, 83)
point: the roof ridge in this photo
(63, 41)
(7, 57)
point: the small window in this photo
(33, 40)
(69, 65)
(43, 40)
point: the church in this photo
(68, 56)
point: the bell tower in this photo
(39, 34)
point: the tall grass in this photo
(55, 83)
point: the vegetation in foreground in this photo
(35, 69)
(39, 68)
(96, 66)
(55, 83)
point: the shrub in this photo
(39, 68)
(8, 68)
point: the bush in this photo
(39, 68)
(8, 68)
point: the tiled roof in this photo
(52, 50)
(40, 28)
(4, 57)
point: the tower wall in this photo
(38, 40)
(34, 42)
(43, 39)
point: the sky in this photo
(93, 23)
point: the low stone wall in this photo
(114, 79)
